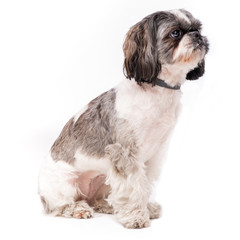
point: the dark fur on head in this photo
(145, 50)
(140, 50)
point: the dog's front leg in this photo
(130, 188)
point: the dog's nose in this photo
(195, 34)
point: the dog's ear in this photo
(140, 51)
(196, 72)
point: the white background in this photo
(55, 56)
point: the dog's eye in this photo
(176, 34)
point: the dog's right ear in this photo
(140, 51)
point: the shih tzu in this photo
(109, 154)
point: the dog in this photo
(108, 155)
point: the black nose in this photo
(195, 34)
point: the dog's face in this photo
(172, 37)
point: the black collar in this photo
(161, 83)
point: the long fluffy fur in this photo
(109, 154)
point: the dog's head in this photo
(172, 37)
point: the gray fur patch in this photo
(65, 146)
(92, 132)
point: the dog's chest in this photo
(153, 129)
(152, 115)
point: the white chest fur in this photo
(151, 111)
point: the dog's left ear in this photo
(140, 51)
(196, 72)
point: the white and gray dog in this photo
(109, 154)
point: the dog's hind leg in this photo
(66, 192)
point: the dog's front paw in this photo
(154, 210)
(137, 223)
(137, 218)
